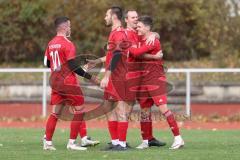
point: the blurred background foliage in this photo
(194, 33)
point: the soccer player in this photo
(66, 93)
(117, 85)
(131, 19)
(154, 78)
(114, 81)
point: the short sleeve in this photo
(70, 51)
(120, 36)
(46, 56)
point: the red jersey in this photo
(116, 41)
(148, 49)
(133, 39)
(148, 64)
(58, 52)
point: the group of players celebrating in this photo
(133, 72)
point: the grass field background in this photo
(22, 144)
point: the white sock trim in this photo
(145, 141)
(115, 141)
(49, 143)
(72, 141)
(122, 143)
(84, 138)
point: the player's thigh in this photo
(57, 109)
(74, 100)
(123, 110)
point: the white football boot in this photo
(86, 141)
(143, 145)
(178, 142)
(73, 146)
(47, 145)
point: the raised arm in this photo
(140, 51)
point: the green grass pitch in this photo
(24, 144)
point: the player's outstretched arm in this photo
(157, 56)
(93, 62)
(79, 71)
(140, 51)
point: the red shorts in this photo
(67, 98)
(149, 102)
(152, 91)
(118, 90)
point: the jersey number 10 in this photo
(55, 60)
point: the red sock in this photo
(50, 126)
(83, 129)
(172, 122)
(74, 127)
(146, 130)
(113, 129)
(150, 128)
(122, 131)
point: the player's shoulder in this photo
(119, 33)
(157, 42)
(60, 39)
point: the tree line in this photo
(189, 29)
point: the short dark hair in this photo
(60, 20)
(126, 12)
(117, 11)
(146, 20)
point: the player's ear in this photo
(114, 16)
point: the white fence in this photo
(187, 71)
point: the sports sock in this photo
(115, 142)
(146, 126)
(122, 131)
(72, 141)
(113, 129)
(50, 126)
(122, 143)
(172, 122)
(83, 129)
(74, 128)
(146, 130)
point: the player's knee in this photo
(145, 116)
(123, 116)
(57, 109)
(111, 116)
(163, 108)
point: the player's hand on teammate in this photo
(159, 55)
(150, 40)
